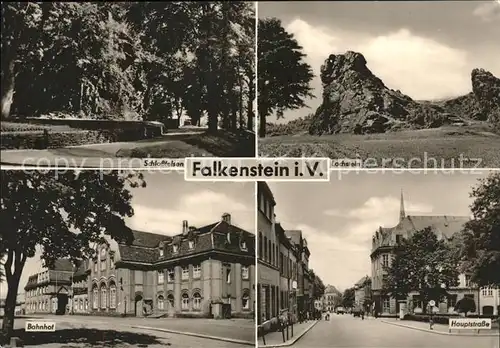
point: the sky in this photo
(426, 49)
(168, 200)
(338, 218)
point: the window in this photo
(185, 302)
(245, 302)
(260, 245)
(170, 299)
(95, 266)
(196, 301)
(197, 271)
(86, 304)
(95, 299)
(161, 277)
(244, 272)
(467, 280)
(385, 260)
(170, 275)
(228, 275)
(103, 297)
(80, 304)
(111, 261)
(191, 244)
(386, 305)
(112, 296)
(103, 253)
(243, 245)
(161, 252)
(185, 273)
(175, 248)
(103, 265)
(161, 302)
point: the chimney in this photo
(185, 227)
(226, 218)
(192, 228)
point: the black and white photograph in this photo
(382, 260)
(394, 84)
(126, 259)
(82, 81)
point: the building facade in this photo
(49, 291)
(489, 301)
(268, 285)
(384, 242)
(363, 293)
(331, 299)
(200, 272)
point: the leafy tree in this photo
(318, 285)
(66, 215)
(422, 263)
(348, 298)
(283, 77)
(481, 237)
(465, 305)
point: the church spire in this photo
(402, 213)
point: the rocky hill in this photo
(357, 101)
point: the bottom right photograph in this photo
(380, 259)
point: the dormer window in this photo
(175, 248)
(161, 252)
(228, 238)
(191, 244)
(243, 245)
(103, 252)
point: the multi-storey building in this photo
(268, 285)
(331, 298)
(362, 293)
(385, 240)
(304, 295)
(489, 301)
(288, 271)
(206, 272)
(49, 291)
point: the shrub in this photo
(42, 140)
(193, 315)
(437, 319)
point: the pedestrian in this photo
(362, 314)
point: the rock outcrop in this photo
(357, 101)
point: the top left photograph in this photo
(108, 84)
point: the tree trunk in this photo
(250, 113)
(10, 304)
(8, 89)
(262, 122)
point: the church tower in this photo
(402, 213)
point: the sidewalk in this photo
(439, 329)
(275, 339)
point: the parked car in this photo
(356, 311)
(340, 310)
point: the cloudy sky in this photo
(426, 49)
(339, 218)
(168, 199)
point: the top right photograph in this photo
(381, 84)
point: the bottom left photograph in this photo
(126, 259)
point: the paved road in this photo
(345, 331)
(100, 333)
(238, 329)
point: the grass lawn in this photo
(193, 145)
(441, 147)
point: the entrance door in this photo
(488, 310)
(138, 306)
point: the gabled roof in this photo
(363, 281)
(330, 289)
(295, 235)
(148, 239)
(64, 265)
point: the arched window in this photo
(196, 301)
(95, 298)
(112, 296)
(161, 302)
(170, 299)
(80, 304)
(245, 301)
(185, 302)
(103, 296)
(86, 306)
